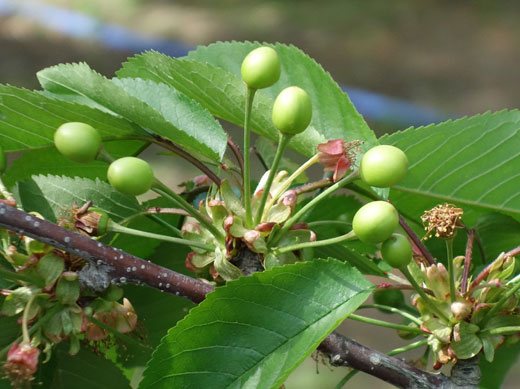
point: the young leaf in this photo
(471, 162)
(29, 119)
(219, 91)
(334, 116)
(254, 331)
(157, 107)
(54, 197)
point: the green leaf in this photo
(494, 374)
(10, 330)
(498, 233)
(86, 370)
(29, 119)
(471, 162)
(469, 344)
(254, 331)
(50, 161)
(334, 116)
(219, 91)
(50, 267)
(157, 107)
(54, 197)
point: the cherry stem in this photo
(426, 299)
(467, 261)
(328, 223)
(398, 311)
(104, 156)
(25, 320)
(41, 322)
(315, 201)
(114, 227)
(317, 243)
(382, 323)
(510, 330)
(416, 241)
(282, 144)
(250, 94)
(287, 183)
(451, 271)
(163, 190)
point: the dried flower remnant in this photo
(337, 156)
(442, 221)
(21, 364)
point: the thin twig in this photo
(260, 158)
(122, 267)
(514, 252)
(169, 145)
(416, 241)
(346, 352)
(236, 152)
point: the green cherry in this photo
(78, 142)
(375, 222)
(397, 251)
(130, 175)
(261, 68)
(292, 111)
(383, 166)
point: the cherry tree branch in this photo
(110, 265)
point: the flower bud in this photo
(460, 309)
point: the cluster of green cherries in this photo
(381, 166)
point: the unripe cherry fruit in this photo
(292, 111)
(130, 175)
(383, 166)
(397, 251)
(77, 141)
(375, 222)
(261, 68)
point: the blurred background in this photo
(404, 63)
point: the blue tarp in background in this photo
(375, 107)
